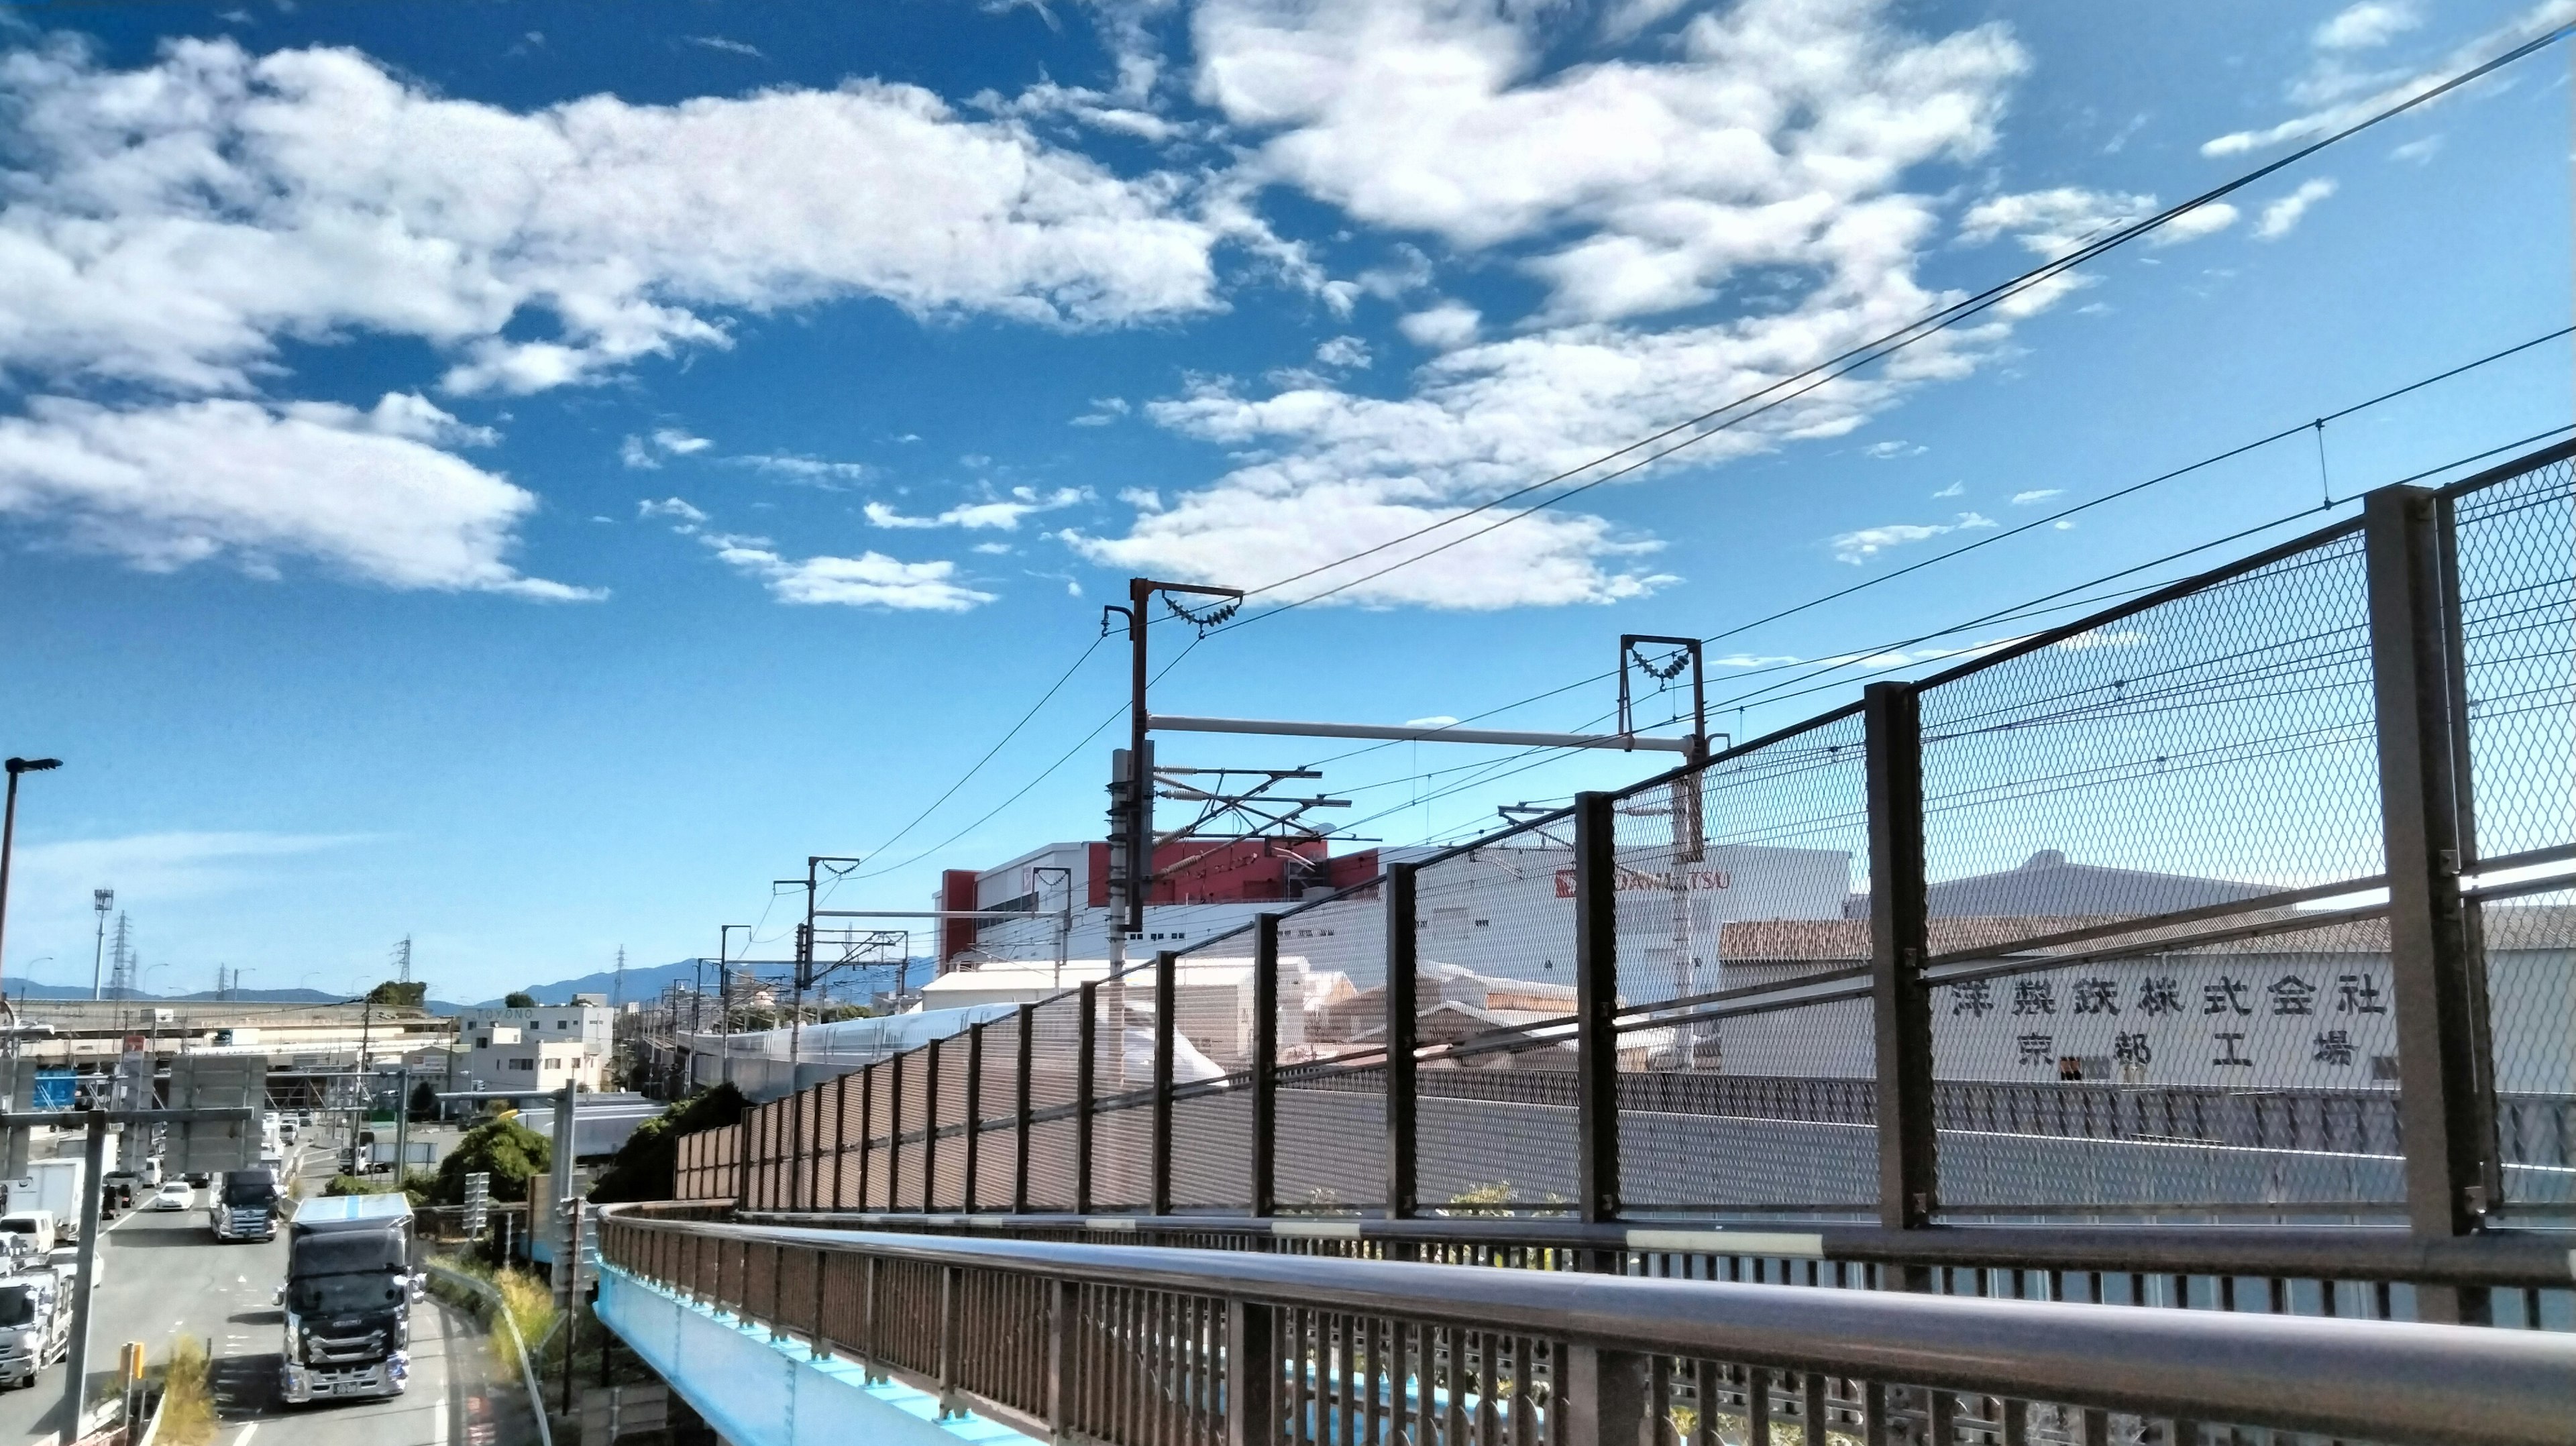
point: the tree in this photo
(518, 999)
(647, 1165)
(394, 994)
(424, 1100)
(508, 1151)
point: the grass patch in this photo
(187, 1395)
(531, 1306)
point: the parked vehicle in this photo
(35, 1325)
(348, 1297)
(243, 1205)
(53, 1185)
(175, 1195)
(65, 1264)
(32, 1231)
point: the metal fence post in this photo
(1252, 1372)
(2443, 1099)
(948, 1312)
(894, 1132)
(1082, 1072)
(1596, 1005)
(1265, 1065)
(930, 1127)
(869, 1355)
(974, 1112)
(867, 1127)
(840, 1135)
(1059, 1365)
(1900, 1004)
(1020, 1104)
(1604, 1397)
(1167, 969)
(1402, 942)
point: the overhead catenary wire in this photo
(1786, 389)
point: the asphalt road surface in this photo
(163, 1275)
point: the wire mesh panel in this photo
(1493, 1008)
(1122, 1090)
(2140, 796)
(997, 1106)
(1746, 1054)
(879, 1090)
(1055, 1034)
(1332, 1041)
(948, 1161)
(2515, 545)
(843, 1172)
(911, 1121)
(1212, 1030)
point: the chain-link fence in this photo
(2098, 925)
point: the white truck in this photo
(35, 1324)
(53, 1185)
(26, 1232)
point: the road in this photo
(164, 1275)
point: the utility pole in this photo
(101, 900)
(1140, 773)
(9, 835)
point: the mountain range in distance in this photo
(642, 983)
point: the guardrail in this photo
(484, 1291)
(2362, 1273)
(1131, 1346)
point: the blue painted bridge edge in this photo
(756, 1391)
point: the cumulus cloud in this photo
(173, 224)
(670, 507)
(2370, 23)
(1343, 351)
(1762, 160)
(1104, 410)
(647, 452)
(372, 494)
(2055, 222)
(2282, 216)
(2337, 96)
(1894, 448)
(871, 579)
(1002, 513)
(2036, 496)
(1442, 327)
(1860, 545)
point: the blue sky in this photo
(524, 475)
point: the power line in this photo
(1789, 388)
(2050, 519)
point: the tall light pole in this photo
(9, 832)
(100, 900)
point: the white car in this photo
(173, 1195)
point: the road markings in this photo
(244, 1438)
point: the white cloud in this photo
(671, 507)
(1773, 135)
(1763, 160)
(2282, 216)
(871, 579)
(174, 224)
(2055, 222)
(817, 470)
(1002, 513)
(647, 453)
(2097, 638)
(1343, 351)
(2370, 23)
(1953, 490)
(1894, 448)
(1444, 327)
(732, 47)
(1104, 410)
(2036, 495)
(148, 871)
(364, 493)
(1859, 546)
(2417, 151)
(2338, 98)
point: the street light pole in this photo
(100, 900)
(9, 835)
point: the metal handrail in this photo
(2360, 1379)
(490, 1295)
(2522, 1259)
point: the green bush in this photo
(647, 1165)
(506, 1150)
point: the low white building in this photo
(587, 1024)
(506, 1057)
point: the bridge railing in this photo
(1174, 1347)
(2246, 899)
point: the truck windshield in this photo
(344, 1294)
(17, 1305)
(256, 1190)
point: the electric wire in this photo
(1787, 389)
